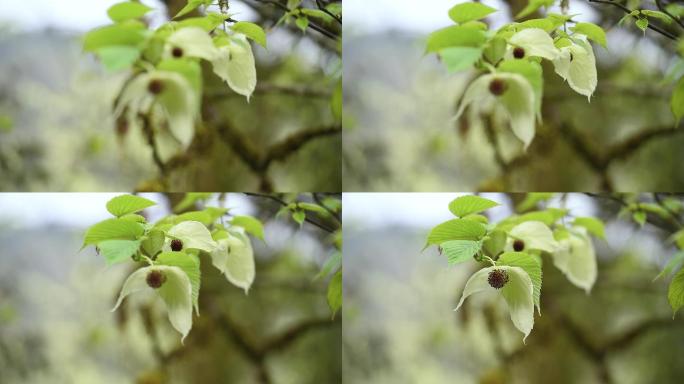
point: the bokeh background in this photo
(400, 327)
(57, 132)
(56, 325)
(399, 104)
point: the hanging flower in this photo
(576, 258)
(172, 285)
(172, 95)
(577, 65)
(515, 286)
(531, 42)
(190, 42)
(189, 235)
(234, 257)
(531, 235)
(509, 93)
(234, 63)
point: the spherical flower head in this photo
(497, 87)
(497, 278)
(155, 279)
(518, 245)
(155, 86)
(177, 52)
(176, 245)
(519, 52)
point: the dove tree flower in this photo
(173, 287)
(576, 258)
(234, 63)
(577, 65)
(532, 42)
(507, 93)
(234, 257)
(515, 286)
(531, 236)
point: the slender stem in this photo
(661, 7)
(627, 10)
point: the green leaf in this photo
(530, 265)
(455, 36)
(657, 15)
(299, 216)
(118, 57)
(331, 265)
(190, 264)
(127, 10)
(593, 225)
(466, 205)
(494, 243)
(642, 24)
(456, 229)
(252, 31)
(532, 199)
(639, 217)
(592, 31)
(465, 12)
(134, 217)
(675, 294)
(533, 6)
(190, 199)
(673, 265)
(460, 58)
(335, 293)
(113, 35)
(188, 68)
(677, 101)
(116, 251)
(153, 243)
(302, 23)
(113, 229)
(191, 6)
(458, 251)
(125, 204)
(251, 224)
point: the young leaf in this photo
(673, 265)
(458, 251)
(675, 294)
(116, 251)
(335, 292)
(455, 36)
(125, 204)
(331, 265)
(252, 31)
(592, 224)
(465, 12)
(252, 225)
(456, 229)
(299, 216)
(113, 35)
(460, 58)
(642, 24)
(112, 229)
(127, 10)
(591, 31)
(532, 6)
(191, 6)
(466, 205)
(118, 57)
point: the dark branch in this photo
(627, 10)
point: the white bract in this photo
(517, 292)
(577, 65)
(516, 101)
(576, 258)
(176, 292)
(171, 94)
(535, 42)
(234, 257)
(536, 236)
(234, 63)
(192, 42)
(193, 234)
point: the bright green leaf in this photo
(125, 204)
(593, 225)
(335, 292)
(252, 225)
(116, 251)
(465, 12)
(460, 58)
(592, 31)
(113, 229)
(458, 251)
(675, 294)
(466, 205)
(127, 10)
(456, 229)
(455, 36)
(252, 31)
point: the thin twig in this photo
(627, 10)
